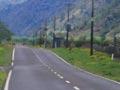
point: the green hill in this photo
(107, 18)
(5, 34)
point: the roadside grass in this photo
(5, 61)
(100, 63)
(5, 55)
(3, 76)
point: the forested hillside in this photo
(5, 34)
(107, 18)
(31, 14)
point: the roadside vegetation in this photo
(5, 61)
(3, 76)
(5, 34)
(5, 53)
(100, 63)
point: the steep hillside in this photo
(30, 14)
(107, 18)
(24, 16)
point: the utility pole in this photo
(54, 26)
(36, 35)
(114, 46)
(115, 41)
(33, 41)
(92, 29)
(68, 19)
(45, 38)
(34, 38)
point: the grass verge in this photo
(5, 61)
(100, 63)
(5, 55)
(3, 76)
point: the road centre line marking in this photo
(49, 67)
(51, 70)
(61, 77)
(58, 75)
(76, 88)
(39, 58)
(55, 72)
(67, 82)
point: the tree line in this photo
(5, 33)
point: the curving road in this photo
(39, 69)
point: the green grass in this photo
(100, 63)
(5, 55)
(5, 60)
(3, 76)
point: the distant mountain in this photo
(29, 14)
(26, 16)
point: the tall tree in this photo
(5, 34)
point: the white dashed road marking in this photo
(61, 77)
(58, 75)
(76, 88)
(51, 70)
(67, 82)
(55, 72)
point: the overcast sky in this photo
(16, 1)
(4, 3)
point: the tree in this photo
(5, 34)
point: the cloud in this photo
(17, 1)
(3, 4)
(4, 1)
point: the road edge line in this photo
(85, 70)
(10, 72)
(13, 55)
(8, 80)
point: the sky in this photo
(4, 3)
(16, 1)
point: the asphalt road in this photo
(39, 69)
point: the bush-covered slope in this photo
(107, 17)
(5, 34)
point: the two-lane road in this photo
(39, 69)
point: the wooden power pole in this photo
(68, 19)
(92, 29)
(54, 27)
